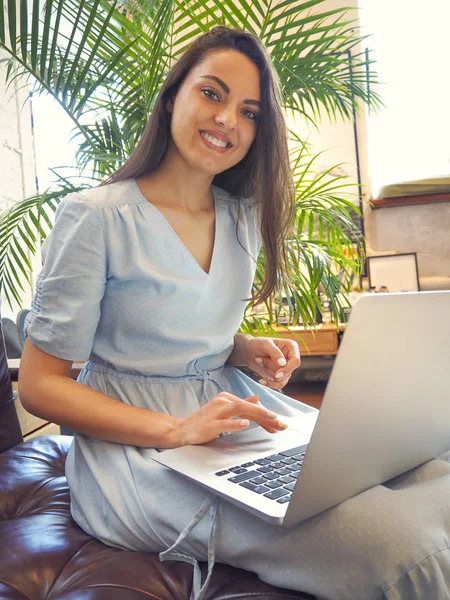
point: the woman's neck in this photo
(177, 184)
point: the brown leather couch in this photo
(44, 554)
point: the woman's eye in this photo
(251, 114)
(210, 93)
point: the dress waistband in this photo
(202, 375)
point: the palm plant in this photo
(104, 61)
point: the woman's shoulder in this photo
(225, 196)
(221, 194)
(121, 193)
(244, 210)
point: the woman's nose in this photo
(226, 118)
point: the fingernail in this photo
(259, 361)
(271, 414)
(244, 423)
(282, 425)
(281, 361)
(262, 382)
(279, 376)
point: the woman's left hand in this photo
(274, 359)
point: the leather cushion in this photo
(44, 554)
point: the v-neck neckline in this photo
(164, 219)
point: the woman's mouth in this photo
(214, 143)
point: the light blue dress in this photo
(119, 288)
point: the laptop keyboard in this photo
(273, 476)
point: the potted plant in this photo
(104, 63)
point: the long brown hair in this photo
(263, 175)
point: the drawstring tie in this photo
(198, 590)
(205, 377)
(211, 504)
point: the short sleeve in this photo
(70, 286)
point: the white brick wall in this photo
(17, 164)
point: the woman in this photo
(148, 276)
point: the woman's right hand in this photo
(216, 417)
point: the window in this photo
(410, 138)
(52, 132)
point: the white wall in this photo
(17, 165)
(337, 138)
(420, 228)
(410, 139)
(416, 228)
(423, 229)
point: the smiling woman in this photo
(223, 89)
(148, 276)
(211, 130)
(218, 116)
(152, 271)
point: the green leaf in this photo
(52, 78)
(34, 33)
(45, 38)
(24, 28)
(76, 60)
(2, 25)
(12, 24)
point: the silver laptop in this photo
(386, 410)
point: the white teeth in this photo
(214, 140)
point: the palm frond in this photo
(326, 250)
(104, 61)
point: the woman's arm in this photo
(273, 359)
(236, 358)
(47, 391)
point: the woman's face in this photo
(216, 111)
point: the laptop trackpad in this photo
(253, 443)
(304, 423)
(242, 446)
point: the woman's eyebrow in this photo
(226, 89)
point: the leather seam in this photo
(23, 506)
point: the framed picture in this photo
(394, 272)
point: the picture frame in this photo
(394, 272)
